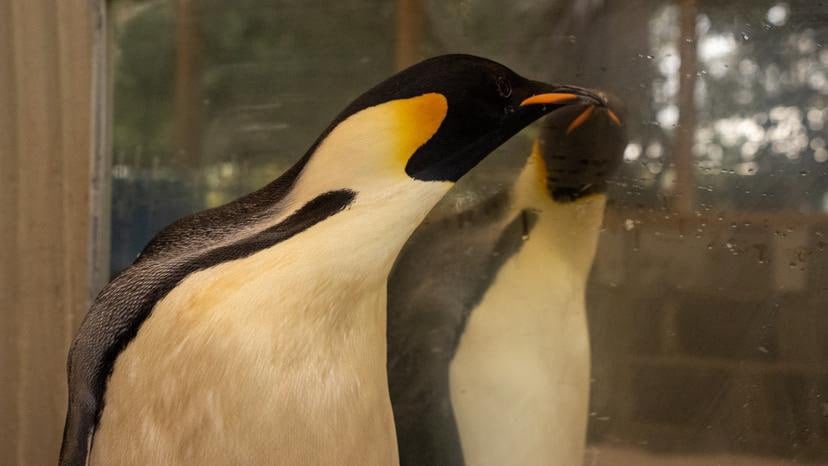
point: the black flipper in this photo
(125, 303)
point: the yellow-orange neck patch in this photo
(417, 120)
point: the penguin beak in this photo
(563, 95)
(568, 95)
(549, 98)
(584, 116)
(587, 113)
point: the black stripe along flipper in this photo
(126, 302)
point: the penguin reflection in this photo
(488, 343)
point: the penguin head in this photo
(581, 146)
(439, 118)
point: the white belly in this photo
(264, 360)
(520, 377)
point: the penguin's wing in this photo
(209, 226)
(125, 303)
(206, 227)
(438, 279)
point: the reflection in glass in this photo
(488, 346)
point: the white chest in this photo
(277, 358)
(520, 377)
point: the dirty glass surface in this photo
(707, 298)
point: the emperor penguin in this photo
(255, 332)
(488, 343)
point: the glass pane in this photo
(706, 297)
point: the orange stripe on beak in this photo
(614, 117)
(550, 98)
(580, 119)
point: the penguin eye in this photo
(503, 87)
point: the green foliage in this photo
(144, 53)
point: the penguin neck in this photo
(570, 229)
(366, 154)
(372, 229)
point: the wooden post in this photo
(409, 32)
(9, 256)
(46, 147)
(187, 87)
(684, 200)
